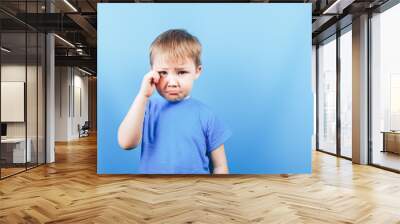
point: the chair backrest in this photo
(86, 124)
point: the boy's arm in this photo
(130, 129)
(219, 161)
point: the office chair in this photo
(84, 130)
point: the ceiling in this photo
(76, 22)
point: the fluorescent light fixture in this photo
(5, 50)
(84, 71)
(70, 5)
(338, 6)
(65, 41)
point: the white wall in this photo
(9, 73)
(70, 83)
(15, 72)
(33, 127)
(79, 117)
(62, 81)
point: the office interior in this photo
(49, 82)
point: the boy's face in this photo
(176, 76)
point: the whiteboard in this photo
(12, 101)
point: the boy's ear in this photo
(199, 69)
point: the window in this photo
(346, 93)
(385, 88)
(327, 96)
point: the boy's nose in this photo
(172, 82)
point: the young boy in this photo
(179, 134)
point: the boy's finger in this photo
(150, 76)
(156, 77)
(150, 73)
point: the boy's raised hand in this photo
(149, 83)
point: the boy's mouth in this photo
(172, 92)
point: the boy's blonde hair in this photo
(177, 44)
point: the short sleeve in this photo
(217, 133)
(146, 129)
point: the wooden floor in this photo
(70, 191)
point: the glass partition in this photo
(22, 77)
(13, 104)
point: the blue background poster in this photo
(256, 77)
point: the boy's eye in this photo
(163, 73)
(182, 72)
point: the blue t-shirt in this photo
(178, 137)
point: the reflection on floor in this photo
(346, 152)
(11, 169)
(386, 159)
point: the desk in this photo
(391, 141)
(17, 150)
